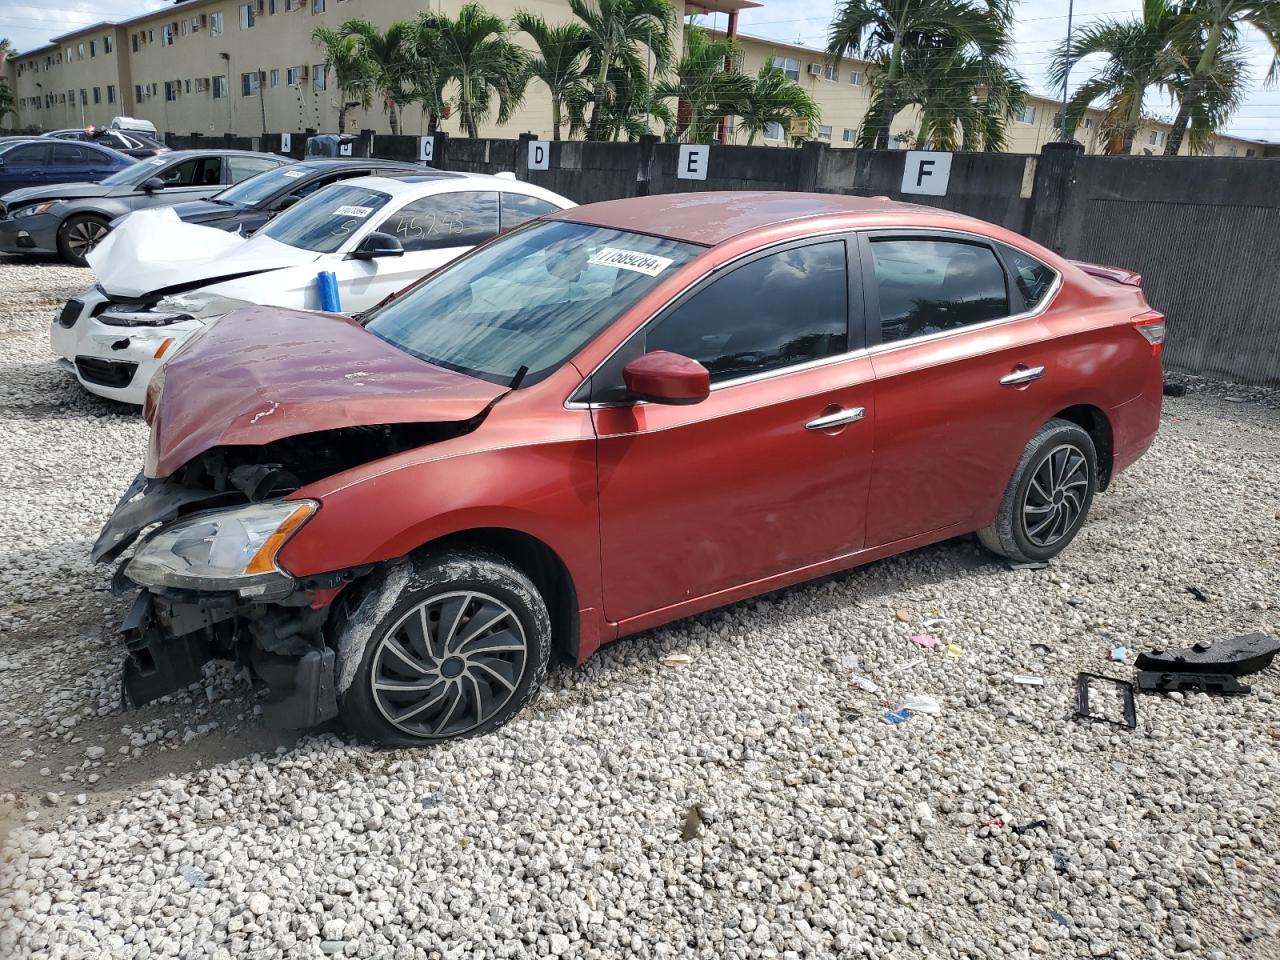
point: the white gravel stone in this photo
(824, 831)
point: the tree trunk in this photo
(471, 121)
(394, 120)
(597, 106)
(890, 95)
(555, 118)
(1195, 90)
(342, 118)
(751, 138)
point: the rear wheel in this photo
(462, 650)
(79, 235)
(1048, 496)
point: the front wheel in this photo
(78, 236)
(461, 650)
(1048, 496)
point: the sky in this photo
(1041, 25)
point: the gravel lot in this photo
(188, 830)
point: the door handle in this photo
(1025, 375)
(837, 419)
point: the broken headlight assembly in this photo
(233, 549)
(32, 211)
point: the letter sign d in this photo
(539, 155)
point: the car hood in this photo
(206, 211)
(152, 251)
(57, 191)
(262, 374)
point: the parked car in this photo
(251, 203)
(71, 220)
(135, 125)
(611, 418)
(161, 281)
(136, 145)
(39, 164)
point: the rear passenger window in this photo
(781, 310)
(242, 168)
(518, 209)
(445, 220)
(66, 155)
(931, 286)
(1032, 277)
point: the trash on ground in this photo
(897, 716)
(1030, 565)
(1059, 861)
(922, 703)
(1238, 656)
(1060, 918)
(676, 660)
(1041, 648)
(1121, 688)
(1172, 389)
(1118, 653)
(993, 822)
(933, 623)
(863, 683)
(1033, 825)
(849, 663)
(1198, 593)
(926, 641)
(954, 650)
(903, 616)
(1220, 684)
(1027, 680)
(909, 665)
(692, 823)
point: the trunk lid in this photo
(1129, 278)
(262, 374)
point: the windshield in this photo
(253, 191)
(530, 299)
(135, 173)
(323, 221)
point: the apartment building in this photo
(250, 66)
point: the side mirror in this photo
(152, 184)
(376, 245)
(665, 377)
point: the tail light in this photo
(1151, 326)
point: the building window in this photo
(317, 6)
(271, 8)
(1250, 152)
(185, 27)
(111, 93)
(138, 94)
(774, 131)
(108, 45)
(186, 86)
(855, 78)
(249, 84)
(824, 133)
(788, 65)
(847, 136)
(170, 91)
(275, 77)
(79, 51)
(319, 77)
(133, 39)
(246, 16)
(93, 49)
(1028, 115)
(84, 98)
(215, 22)
(293, 75)
(97, 94)
(219, 87)
(68, 55)
(166, 36)
(1088, 123)
(831, 72)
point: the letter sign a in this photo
(694, 160)
(539, 155)
(926, 172)
(426, 148)
(286, 142)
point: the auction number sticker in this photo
(293, 174)
(158, 161)
(647, 263)
(348, 211)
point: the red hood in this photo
(263, 373)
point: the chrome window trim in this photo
(1045, 302)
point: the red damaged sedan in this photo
(607, 419)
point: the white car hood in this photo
(154, 250)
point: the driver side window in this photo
(194, 172)
(777, 311)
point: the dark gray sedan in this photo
(70, 219)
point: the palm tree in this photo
(6, 98)
(773, 97)
(1208, 33)
(1138, 58)
(389, 61)
(885, 29)
(351, 76)
(477, 55)
(701, 85)
(618, 31)
(560, 63)
(427, 82)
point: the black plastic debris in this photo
(1059, 861)
(1197, 593)
(1029, 565)
(1033, 825)
(1235, 657)
(1125, 689)
(1172, 389)
(1220, 684)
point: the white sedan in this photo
(161, 280)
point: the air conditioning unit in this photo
(303, 73)
(815, 70)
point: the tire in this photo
(1039, 493)
(78, 235)
(452, 696)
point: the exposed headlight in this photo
(231, 549)
(32, 211)
(200, 305)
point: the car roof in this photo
(176, 154)
(712, 217)
(331, 163)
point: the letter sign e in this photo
(926, 172)
(693, 162)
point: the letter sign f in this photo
(924, 171)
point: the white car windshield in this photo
(529, 299)
(323, 221)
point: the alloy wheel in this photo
(1055, 498)
(84, 235)
(449, 664)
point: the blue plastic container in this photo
(328, 283)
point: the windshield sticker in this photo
(158, 161)
(294, 174)
(647, 263)
(349, 211)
